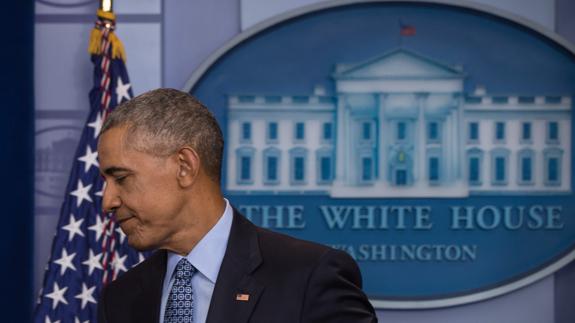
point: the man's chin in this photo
(139, 244)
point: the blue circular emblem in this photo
(432, 142)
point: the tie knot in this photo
(184, 270)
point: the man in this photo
(160, 154)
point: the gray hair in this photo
(162, 121)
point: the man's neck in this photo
(200, 219)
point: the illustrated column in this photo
(341, 141)
(446, 147)
(381, 141)
(420, 131)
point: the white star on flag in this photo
(118, 263)
(73, 228)
(47, 320)
(86, 295)
(100, 193)
(98, 227)
(140, 259)
(82, 193)
(93, 262)
(57, 295)
(65, 262)
(122, 90)
(121, 234)
(77, 320)
(90, 159)
(97, 125)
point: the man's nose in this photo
(110, 199)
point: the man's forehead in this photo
(117, 149)
(114, 138)
(111, 145)
(112, 152)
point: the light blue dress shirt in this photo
(207, 257)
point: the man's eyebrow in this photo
(113, 170)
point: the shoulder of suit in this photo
(280, 245)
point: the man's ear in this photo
(188, 166)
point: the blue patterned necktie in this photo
(180, 306)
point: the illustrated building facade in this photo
(399, 125)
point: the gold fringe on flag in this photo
(106, 20)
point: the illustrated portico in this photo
(399, 126)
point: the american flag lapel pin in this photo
(242, 297)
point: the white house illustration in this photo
(399, 125)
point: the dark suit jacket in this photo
(288, 280)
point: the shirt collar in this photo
(208, 254)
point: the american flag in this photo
(89, 249)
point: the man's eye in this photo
(120, 179)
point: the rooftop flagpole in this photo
(107, 5)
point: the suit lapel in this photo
(236, 293)
(146, 307)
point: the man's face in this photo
(141, 189)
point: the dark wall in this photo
(16, 161)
